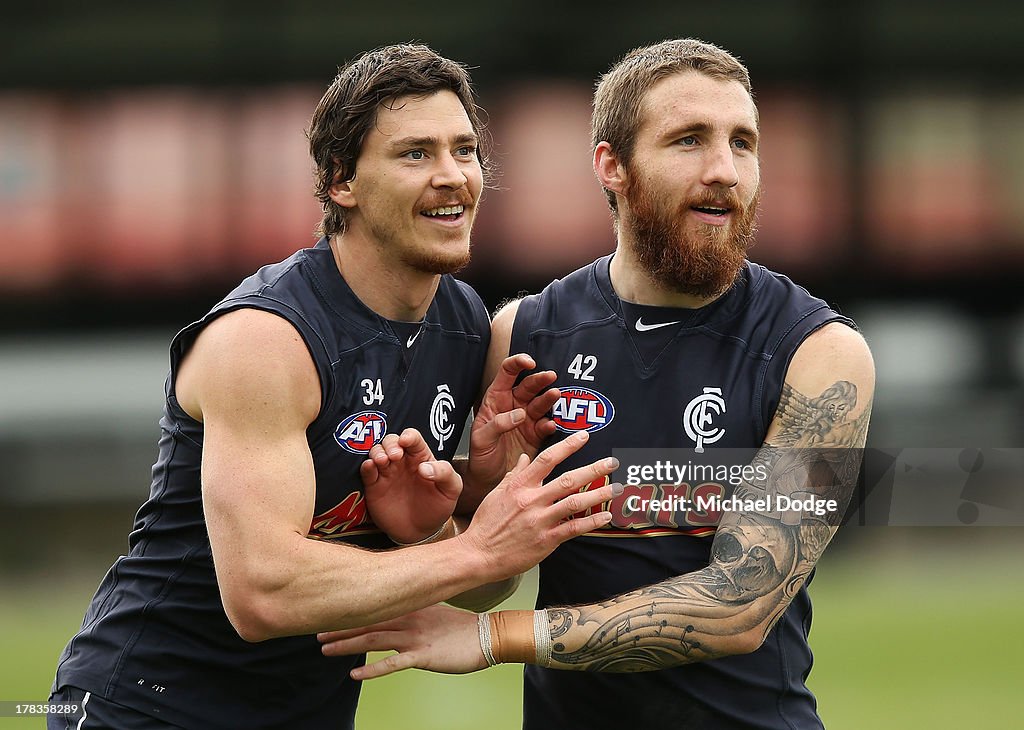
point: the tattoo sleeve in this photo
(759, 559)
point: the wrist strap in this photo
(483, 627)
(542, 638)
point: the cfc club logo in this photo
(441, 426)
(698, 416)
(359, 432)
(582, 409)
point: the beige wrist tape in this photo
(516, 636)
(448, 530)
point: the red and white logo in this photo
(358, 433)
(349, 514)
(581, 409)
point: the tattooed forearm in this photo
(679, 621)
(759, 560)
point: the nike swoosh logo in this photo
(413, 338)
(641, 327)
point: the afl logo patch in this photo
(581, 409)
(358, 433)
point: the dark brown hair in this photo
(348, 110)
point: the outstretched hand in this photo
(511, 420)
(524, 519)
(437, 638)
(409, 494)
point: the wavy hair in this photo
(349, 107)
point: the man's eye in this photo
(415, 154)
(467, 151)
(741, 144)
(688, 141)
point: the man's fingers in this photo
(545, 428)
(582, 501)
(510, 368)
(522, 463)
(326, 637)
(368, 472)
(572, 480)
(414, 444)
(389, 445)
(540, 405)
(378, 455)
(395, 447)
(531, 385)
(387, 665)
(370, 641)
(581, 526)
(501, 423)
(555, 454)
(443, 475)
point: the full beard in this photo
(702, 263)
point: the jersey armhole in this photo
(781, 355)
(183, 341)
(523, 326)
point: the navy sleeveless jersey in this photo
(631, 395)
(155, 636)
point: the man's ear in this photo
(341, 191)
(609, 170)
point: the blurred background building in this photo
(152, 154)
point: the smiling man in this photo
(692, 612)
(257, 533)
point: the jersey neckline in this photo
(344, 301)
(725, 307)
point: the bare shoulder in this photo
(253, 358)
(501, 338)
(828, 392)
(504, 320)
(834, 351)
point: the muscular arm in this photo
(250, 379)
(759, 560)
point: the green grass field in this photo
(920, 634)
